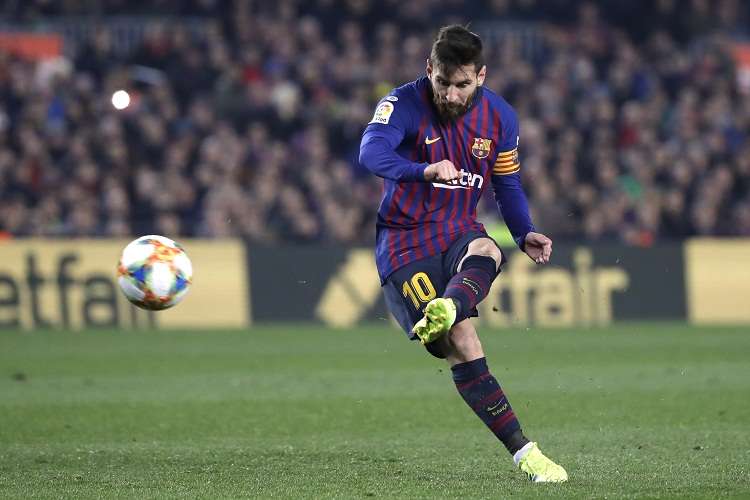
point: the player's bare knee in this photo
(466, 341)
(464, 344)
(487, 248)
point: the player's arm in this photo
(511, 199)
(392, 121)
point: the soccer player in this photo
(438, 142)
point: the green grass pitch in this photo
(305, 412)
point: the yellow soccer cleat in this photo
(541, 469)
(439, 316)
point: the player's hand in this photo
(538, 247)
(442, 171)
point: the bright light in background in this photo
(120, 99)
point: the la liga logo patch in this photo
(383, 113)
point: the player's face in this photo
(453, 93)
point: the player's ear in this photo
(428, 70)
(481, 75)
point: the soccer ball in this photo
(154, 272)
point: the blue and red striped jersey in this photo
(418, 219)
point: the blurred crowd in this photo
(634, 117)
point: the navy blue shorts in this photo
(408, 289)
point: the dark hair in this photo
(456, 46)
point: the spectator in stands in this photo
(635, 125)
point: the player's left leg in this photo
(473, 277)
(473, 264)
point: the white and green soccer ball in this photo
(154, 272)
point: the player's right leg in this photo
(482, 393)
(477, 386)
(410, 293)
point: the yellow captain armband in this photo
(506, 163)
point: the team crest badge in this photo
(481, 148)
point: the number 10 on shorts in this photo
(419, 289)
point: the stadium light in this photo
(120, 99)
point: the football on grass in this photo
(154, 272)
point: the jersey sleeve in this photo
(394, 119)
(507, 162)
(506, 181)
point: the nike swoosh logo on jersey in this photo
(427, 140)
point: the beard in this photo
(450, 111)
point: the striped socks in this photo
(471, 285)
(483, 394)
